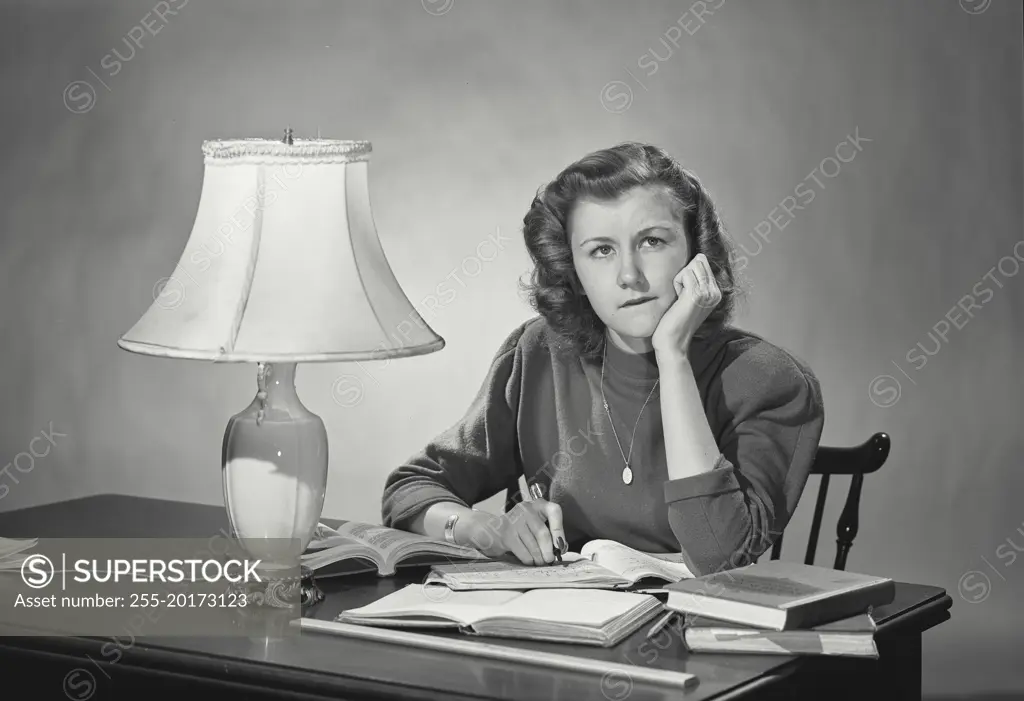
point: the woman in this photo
(642, 415)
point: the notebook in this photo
(585, 616)
(779, 595)
(848, 637)
(600, 564)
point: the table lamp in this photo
(283, 266)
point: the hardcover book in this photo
(779, 595)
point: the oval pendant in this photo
(627, 475)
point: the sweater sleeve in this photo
(471, 461)
(773, 416)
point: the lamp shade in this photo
(283, 264)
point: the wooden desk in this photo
(315, 666)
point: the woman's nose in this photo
(629, 272)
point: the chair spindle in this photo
(849, 521)
(819, 509)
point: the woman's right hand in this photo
(532, 531)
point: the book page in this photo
(592, 608)
(337, 548)
(416, 600)
(392, 543)
(380, 538)
(320, 533)
(575, 569)
(634, 564)
(334, 542)
(385, 546)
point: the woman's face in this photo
(629, 250)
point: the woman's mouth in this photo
(638, 301)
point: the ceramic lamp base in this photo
(275, 477)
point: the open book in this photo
(600, 564)
(589, 617)
(356, 547)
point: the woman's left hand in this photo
(697, 295)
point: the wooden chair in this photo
(856, 461)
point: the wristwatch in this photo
(449, 528)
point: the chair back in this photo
(856, 461)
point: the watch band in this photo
(449, 528)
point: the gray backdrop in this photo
(470, 107)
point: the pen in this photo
(662, 622)
(537, 492)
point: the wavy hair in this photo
(555, 291)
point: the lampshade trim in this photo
(160, 351)
(222, 151)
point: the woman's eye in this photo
(605, 248)
(656, 241)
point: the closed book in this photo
(853, 636)
(585, 616)
(779, 595)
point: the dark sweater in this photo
(539, 414)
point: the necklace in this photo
(627, 471)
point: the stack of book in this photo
(779, 607)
